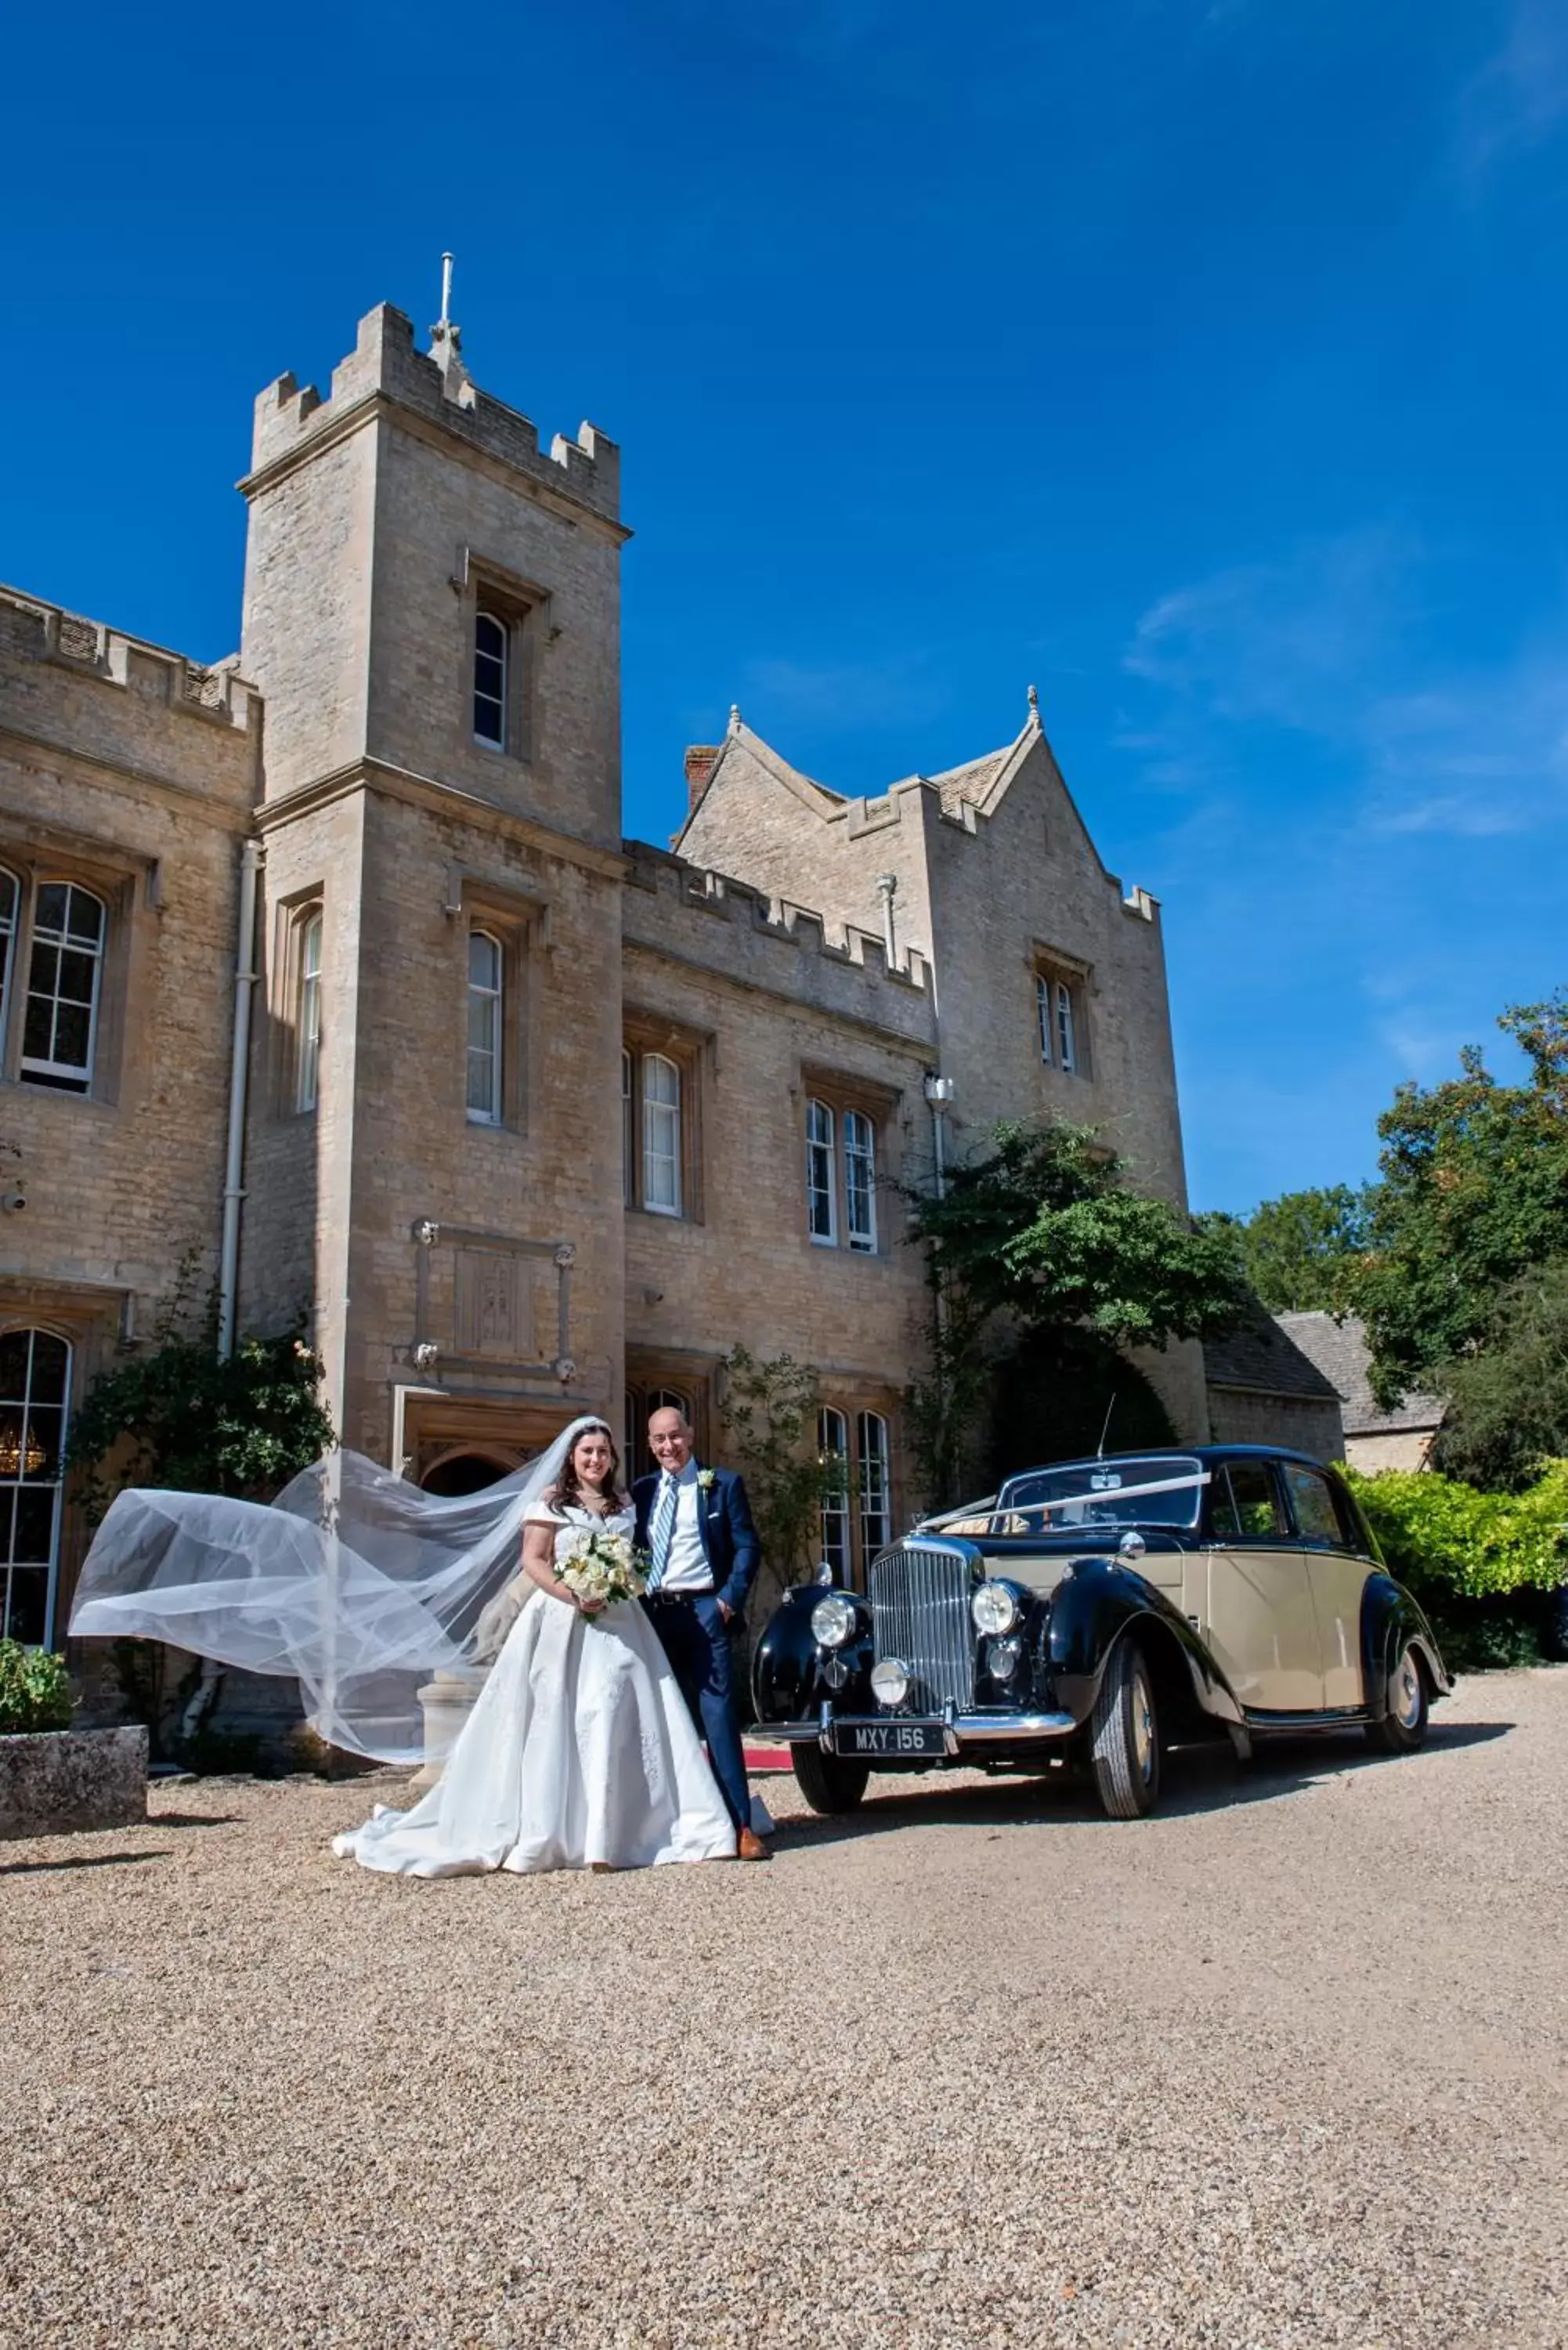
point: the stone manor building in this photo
(328, 969)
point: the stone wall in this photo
(1247, 1415)
(126, 770)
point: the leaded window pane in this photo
(1064, 1037)
(34, 1378)
(660, 1135)
(833, 1451)
(820, 1188)
(63, 982)
(490, 656)
(860, 1180)
(10, 900)
(1042, 1014)
(309, 1013)
(871, 1444)
(485, 967)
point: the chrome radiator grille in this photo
(919, 1613)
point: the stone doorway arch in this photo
(465, 1469)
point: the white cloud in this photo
(1329, 645)
(1519, 98)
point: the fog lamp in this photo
(833, 1620)
(993, 1608)
(890, 1681)
(1003, 1659)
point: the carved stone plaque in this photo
(494, 1306)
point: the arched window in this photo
(860, 1180)
(833, 1451)
(821, 1183)
(491, 661)
(660, 1135)
(1044, 1014)
(307, 1074)
(486, 969)
(63, 982)
(871, 1448)
(35, 1395)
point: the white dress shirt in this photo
(686, 1568)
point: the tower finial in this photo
(446, 344)
(1035, 704)
(734, 717)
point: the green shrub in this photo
(1444, 1538)
(35, 1689)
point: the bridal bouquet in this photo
(603, 1568)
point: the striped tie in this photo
(660, 1531)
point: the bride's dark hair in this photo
(568, 1486)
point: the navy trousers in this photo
(696, 1640)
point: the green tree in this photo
(1041, 1230)
(1474, 1193)
(1297, 1250)
(1508, 1400)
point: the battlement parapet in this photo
(750, 914)
(290, 420)
(31, 630)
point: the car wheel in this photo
(1404, 1727)
(1124, 1736)
(827, 1781)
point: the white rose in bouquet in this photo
(603, 1568)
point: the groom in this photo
(696, 1526)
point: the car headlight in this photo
(890, 1681)
(833, 1620)
(993, 1608)
(1001, 1658)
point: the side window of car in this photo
(1246, 1503)
(1312, 1503)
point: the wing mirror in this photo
(1132, 1544)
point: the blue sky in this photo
(1205, 361)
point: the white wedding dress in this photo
(579, 1749)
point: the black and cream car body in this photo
(1102, 1611)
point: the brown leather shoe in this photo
(749, 1846)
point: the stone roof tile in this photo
(1340, 1351)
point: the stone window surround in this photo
(36, 855)
(645, 1032)
(521, 606)
(1052, 967)
(840, 1090)
(519, 922)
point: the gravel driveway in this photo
(1284, 2067)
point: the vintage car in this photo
(1102, 1611)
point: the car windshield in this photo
(1160, 1489)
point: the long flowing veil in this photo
(354, 1581)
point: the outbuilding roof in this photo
(1340, 1351)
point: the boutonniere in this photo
(707, 1479)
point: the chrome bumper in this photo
(958, 1729)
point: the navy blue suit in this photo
(694, 1634)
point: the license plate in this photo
(892, 1739)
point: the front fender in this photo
(786, 1682)
(1389, 1616)
(1090, 1610)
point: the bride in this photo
(580, 1751)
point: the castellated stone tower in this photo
(382, 520)
(432, 612)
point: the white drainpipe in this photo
(204, 1697)
(233, 1191)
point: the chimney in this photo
(701, 758)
